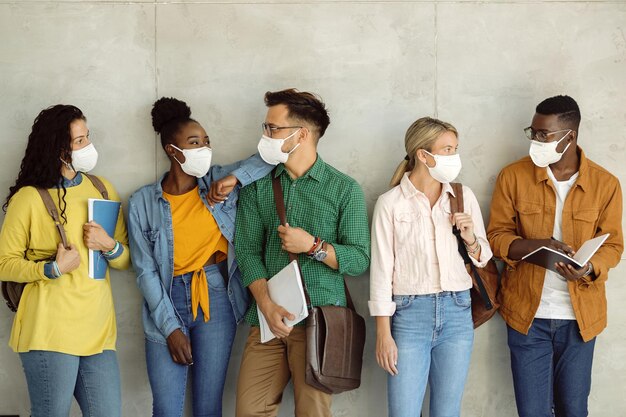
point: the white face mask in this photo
(271, 149)
(85, 159)
(447, 167)
(197, 161)
(544, 154)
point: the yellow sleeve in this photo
(15, 238)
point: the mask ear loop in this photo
(68, 165)
(289, 137)
(434, 159)
(174, 155)
(569, 143)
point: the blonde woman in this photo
(419, 288)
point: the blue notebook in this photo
(105, 213)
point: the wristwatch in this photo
(320, 253)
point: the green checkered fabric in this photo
(325, 203)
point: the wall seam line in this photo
(436, 52)
(156, 92)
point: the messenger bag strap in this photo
(98, 184)
(52, 210)
(456, 206)
(282, 216)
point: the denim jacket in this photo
(152, 245)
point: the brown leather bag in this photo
(335, 335)
(12, 291)
(485, 280)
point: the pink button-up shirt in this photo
(413, 248)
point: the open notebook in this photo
(547, 257)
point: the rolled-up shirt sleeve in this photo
(383, 260)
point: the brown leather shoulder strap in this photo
(98, 184)
(279, 201)
(52, 210)
(456, 202)
(282, 216)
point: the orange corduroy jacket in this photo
(523, 207)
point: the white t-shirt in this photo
(555, 299)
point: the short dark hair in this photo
(303, 106)
(169, 115)
(564, 107)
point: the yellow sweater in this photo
(71, 314)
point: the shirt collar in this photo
(71, 183)
(316, 171)
(409, 190)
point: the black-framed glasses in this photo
(268, 130)
(540, 135)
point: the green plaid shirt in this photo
(325, 203)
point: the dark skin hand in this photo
(218, 193)
(521, 247)
(570, 273)
(179, 347)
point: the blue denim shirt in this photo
(152, 245)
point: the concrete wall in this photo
(482, 65)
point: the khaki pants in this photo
(265, 371)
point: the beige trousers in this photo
(266, 370)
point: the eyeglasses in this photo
(269, 130)
(541, 136)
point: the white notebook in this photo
(285, 289)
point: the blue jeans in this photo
(211, 344)
(551, 369)
(434, 334)
(53, 378)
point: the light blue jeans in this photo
(211, 343)
(54, 377)
(434, 334)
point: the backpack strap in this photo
(456, 206)
(52, 210)
(456, 202)
(98, 184)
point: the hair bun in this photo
(167, 110)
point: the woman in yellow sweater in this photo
(64, 329)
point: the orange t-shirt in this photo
(196, 238)
(196, 234)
